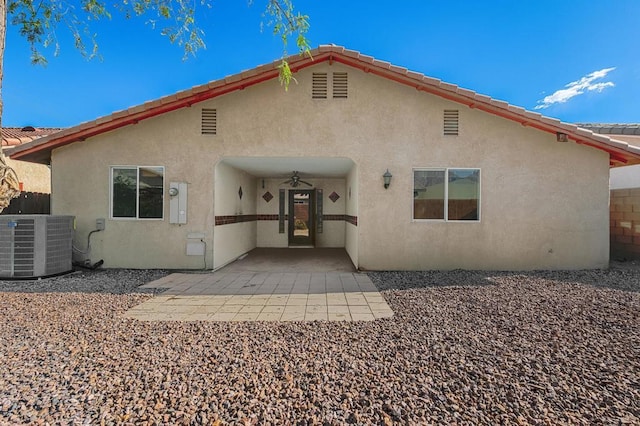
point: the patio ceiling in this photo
(282, 167)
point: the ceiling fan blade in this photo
(306, 183)
(286, 181)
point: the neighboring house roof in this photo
(631, 129)
(621, 153)
(14, 136)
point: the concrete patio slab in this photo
(267, 289)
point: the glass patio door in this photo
(301, 217)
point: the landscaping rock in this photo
(463, 347)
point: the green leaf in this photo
(39, 22)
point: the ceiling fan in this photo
(295, 180)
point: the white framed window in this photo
(449, 194)
(137, 192)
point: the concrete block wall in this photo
(624, 208)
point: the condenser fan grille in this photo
(35, 245)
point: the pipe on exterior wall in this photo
(204, 256)
(86, 262)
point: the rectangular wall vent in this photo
(451, 121)
(209, 121)
(319, 85)
(340, 85)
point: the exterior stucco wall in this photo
(80, 184)
(268, 230)
(544, 204)
(351, 230)
(233, 240)
(535, 211)
(34, 177)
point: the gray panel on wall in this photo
(281, 212)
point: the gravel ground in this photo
(113, 281)
(463, 347)
(620, 276)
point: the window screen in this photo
(137, 192)
(446, 194)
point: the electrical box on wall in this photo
(195, 247)
(178, 202)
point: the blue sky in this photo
(578, 61)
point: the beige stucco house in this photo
(205, 175)
(33, 177)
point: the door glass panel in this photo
(301, 215)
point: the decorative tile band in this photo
(227, 220)
(269, 217)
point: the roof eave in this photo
(620, 153)
(40, 150)
(618, 156)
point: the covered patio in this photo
(282, 202)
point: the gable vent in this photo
(340, 86)
(209, 121)
(451, 121)
(319, 85)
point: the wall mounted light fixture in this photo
(387, 179)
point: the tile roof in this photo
(620, 153)
(632, 129)
(14, 136)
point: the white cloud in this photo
(575, 88)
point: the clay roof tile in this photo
(15, 136)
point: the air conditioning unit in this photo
(35, 245)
